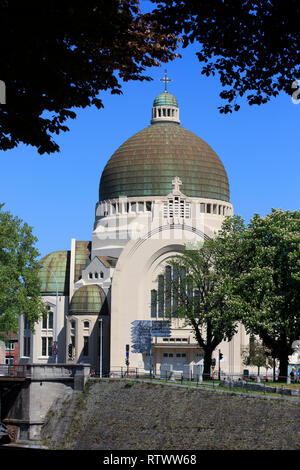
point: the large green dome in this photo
(146, 163)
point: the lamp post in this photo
(101, 347)
(56, 317)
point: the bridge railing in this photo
(13, 370)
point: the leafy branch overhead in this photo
(253, 46)
(57, 56)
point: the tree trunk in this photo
(283, 367)
(207, 364)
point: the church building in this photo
(162, 188)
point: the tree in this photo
(264, 261)
(256, 354)
(202, 295)
(19, 281)
(57, 56)
(253, 46)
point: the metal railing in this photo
(13, 370)
(282, 386)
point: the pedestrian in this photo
(292, 375)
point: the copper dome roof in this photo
(146, 163)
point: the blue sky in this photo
(258, 145)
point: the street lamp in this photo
(101, 348)
(56, 317)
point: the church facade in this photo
(161, 189)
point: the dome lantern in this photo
(165, 106)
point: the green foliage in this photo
(57, 56)
(253, 46)
(205, 296)
(249, 274)
(256, 354)
(19, 281)
(263, 260)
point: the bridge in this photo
(27, 392)
(13, 372)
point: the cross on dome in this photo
(165, 80)
(176, 183)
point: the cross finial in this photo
(176, 183)
(165, 80)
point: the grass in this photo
(215, 384)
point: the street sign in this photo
(143, 331)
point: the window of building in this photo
(148, 206)
(133, 206)
(101, 275)
(44, 346)
(96, 275)
(177, 207)
(90, 275)
(47, 321)
(26, 325)
(208, 208)
(153, 303)
(47, 346)
(50, 320)
(168, 277)
(44, 322)
(85, 345)
(161, 303)
(141, 206)
(26, 346)
(10, 346)
(86, 324)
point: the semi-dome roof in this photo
(57, 263)
(89, 299)
(146, 164)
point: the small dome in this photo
(165, 99)
(58, 263)
(89, 299)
